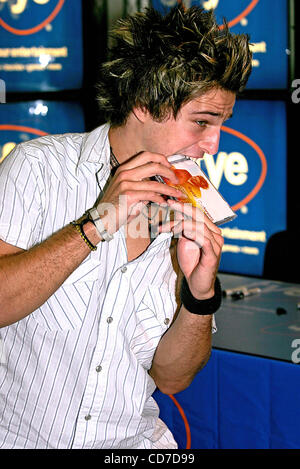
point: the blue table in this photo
(247, 396)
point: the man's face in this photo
(196, 129)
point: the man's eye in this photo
(202, 123)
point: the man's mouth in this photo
(195, 157)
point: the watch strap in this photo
(201, 307)
(96, 219)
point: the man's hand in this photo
(131, 188)
(199, 247)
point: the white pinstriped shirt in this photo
(75, 373)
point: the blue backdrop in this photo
(41, 45)
(266, 21)
(20, 122)
(250, 172)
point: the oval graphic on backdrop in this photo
(213, 5)
(242, 15)
(21, 128)
(254, 191)
(38, 27)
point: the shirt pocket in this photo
(153, 318)
(67, 307)
(162, 302)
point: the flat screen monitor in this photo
(41, 45)
(24, 121)
(266, 22)
(249, 170)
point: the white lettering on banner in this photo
(19, 6)
(236, 168)
(233, 165)
(296, 353)
(6, 52)
(6, 149)
(30, 67)
(215, 169)
(237, 233)
(210, 4)
(234, 249)
(255, 63)
(258, 47)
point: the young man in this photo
(87, 309)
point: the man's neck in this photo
(124, 140)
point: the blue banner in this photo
(20, 122)
(266, 21)
(250, 172)
(41, 45)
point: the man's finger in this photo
(195, 213)
(147, 170)
(144, 158)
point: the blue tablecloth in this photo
(237, 401)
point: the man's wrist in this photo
(96, 219)
(201, 307)
(92, 233)
(87, 230)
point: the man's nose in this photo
(210, 143)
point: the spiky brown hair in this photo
(160, 62)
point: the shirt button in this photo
(124, 269)
(98, 368)
(109, 320)
(166, 321)
(88, 417)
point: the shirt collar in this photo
(95, 147)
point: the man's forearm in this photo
(29, 278)
(182, 352)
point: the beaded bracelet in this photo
(201, 307)
(83, 236)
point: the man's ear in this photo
(142, 114)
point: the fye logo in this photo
(233, 168)
(10, 134)
(26, 12)
(240, 9)
(226, 167)
(6, 149)
(17, 7)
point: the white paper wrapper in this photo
(199, 191)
